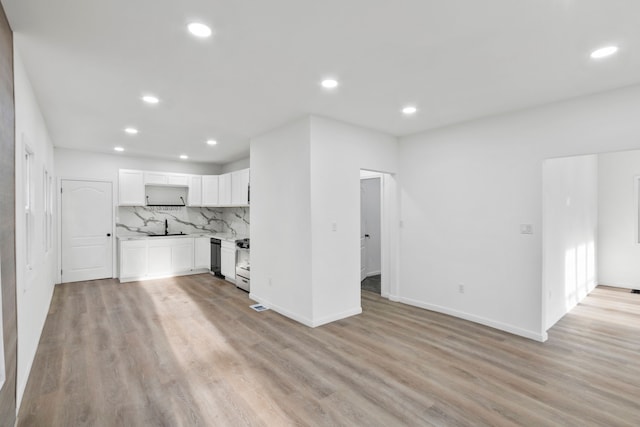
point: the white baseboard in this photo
(305, 320)
(286, 313)
(620, 285)
(163, 276)
(533, 335)
(337, 316)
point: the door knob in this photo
(108, 234)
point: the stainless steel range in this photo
(243, 265)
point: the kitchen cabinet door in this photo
(202, 252)
(210, 190)
(195, 191)
(130, 188)
(156, 178)
(224, 192)
(240, 187)
(133, 258)
(159, 257)
(228, 261)
(181, 255)
(178, 180)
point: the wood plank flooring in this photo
(189, 352)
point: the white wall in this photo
(570, 221)
(338, 152)
(467, 188)
(100, 166)
(370, 206)
(306, 178)
(281, 221)
(35, 284)
(234, 166)
(618, 248)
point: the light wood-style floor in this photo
(189, 352)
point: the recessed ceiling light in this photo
(329, 83)
(603, 52)
(118, 148)
(212, 142)
(410, 109)
(184, 156)
(199, 30)
(150, 99)
(131, 131)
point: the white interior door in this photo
(86, 217)
(371, 217)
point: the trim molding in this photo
(337, 316)
(305, 320)
(163, 276)
(286, 313)
(536, 336)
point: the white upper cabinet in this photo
(195, 190)
(163, 178)
(178, 180)
(210, 190)
(156, 178)
(224, 185)
(240, 187)
(229, 189)
(130, 187)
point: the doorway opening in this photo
(377, 233)
(370, 232)
(591, 212)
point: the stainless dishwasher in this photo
(216, 265)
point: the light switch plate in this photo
(526, 229)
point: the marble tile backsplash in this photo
(134, 220)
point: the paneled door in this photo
(87, 221)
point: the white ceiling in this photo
(91, 61)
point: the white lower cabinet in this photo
(181, 255)
(133, 258)
(160, 257)
(228, 260)
(202, 252)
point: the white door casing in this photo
(86, 227)
(363, 228)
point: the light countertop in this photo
(229, 237)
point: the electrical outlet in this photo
(270, 283)
(461, 288)
(334, 226)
